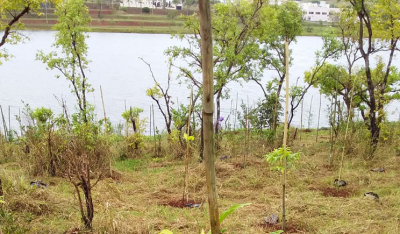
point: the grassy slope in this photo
(132, 204)
(316, 28)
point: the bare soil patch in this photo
(179, 203)
(290, 228)
(334, 192)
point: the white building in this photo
(319, 13)
(313, 11)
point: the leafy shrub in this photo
(146, 10)
(172, 14)
(123, 8)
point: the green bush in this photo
(146, 10)
(123, 8)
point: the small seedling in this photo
(278, 155)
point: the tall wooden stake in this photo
(333, 127)
(301, 118)
(185, 192)
(126, 123)
(310, 113)
(106, 129)
(234, 123)
(285, 132)
(4, 124)
(9, 119)
(208, 111)
(319, 116)
(150, 122)
(154, 131)
(347, 128)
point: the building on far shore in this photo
(313, 11)
(320, 13)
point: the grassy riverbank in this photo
(137, 198)
(122, 22)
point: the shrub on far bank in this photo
(146, 10)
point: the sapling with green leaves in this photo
(277, 156)
(72, 26)
(135, 141)
(82, 131)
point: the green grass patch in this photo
(129, 165)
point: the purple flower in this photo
(221, 119)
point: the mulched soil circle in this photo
(180, 203)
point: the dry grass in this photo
(133, 204)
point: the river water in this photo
(115, 65)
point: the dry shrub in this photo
(28, 205)
(9, 151)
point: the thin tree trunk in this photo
(208, 110)
(285, 134)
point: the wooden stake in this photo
(301, 118)
(4, 124)
(185, 192)
(333, 138)
(234, 123)
(319, 116)
(154, 132)
(285, 133)
(208, 111)
(150, 121)
(9, 118)
(345, 135)
(126, 123)
(309, 113)
(106, 129)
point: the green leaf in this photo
(276, 232)
(166, 232)
(230, 210)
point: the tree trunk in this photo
(208, 111)
(374, 128)
(285, 133)
(89, 202)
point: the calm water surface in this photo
(115, 65)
